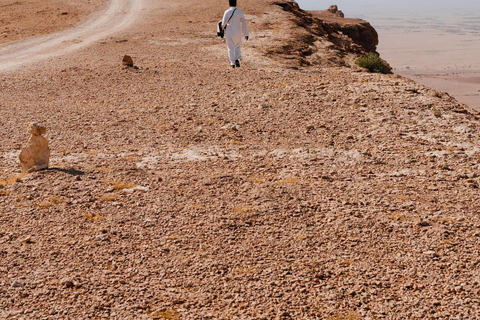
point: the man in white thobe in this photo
(235, 27)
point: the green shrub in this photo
(373, 63)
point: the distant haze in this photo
(382, 13)
(435, 42)
(389, 6)
(426, 26)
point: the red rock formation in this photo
(326, 37)
(334, 10)
(360, 31)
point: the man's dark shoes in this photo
(237, 63)
(233, 66)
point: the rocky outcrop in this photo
(334, 10)
(36, 155)
(359, 31)
(319, 37)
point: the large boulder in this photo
(359, 31)
(127, 61)
(333, 9)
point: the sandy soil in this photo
(464, 85)
(188, 190)
(444, 61)
(25, 19)
(117, 15)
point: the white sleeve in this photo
(224, 20)
(244, 26)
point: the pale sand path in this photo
(117, 15)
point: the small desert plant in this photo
(236, 142)
(165, 314)
(103, 169)
(12, 180)
(289, 180)
(243, 209)
(92, 217)
(109, 197)
(351, 316)
(64, 151)
(245, 271)
(52, 201)
(373, 63)
(257, 180)
(120, 185)
(90, 152)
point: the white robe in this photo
(235, 30)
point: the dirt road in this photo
(118, 15)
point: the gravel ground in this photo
(187, 190)
(24, 19)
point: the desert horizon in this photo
(433, 42)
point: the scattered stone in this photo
(102, 237)
(142, 189)
(27, 239)
(231, 126)
(424, 224)
(127, 61)
(128, 190)
(36, 155)
(328, 178)
(437, 112)
(15, 313)
(136, 188)
(67, 283)
(17, 283)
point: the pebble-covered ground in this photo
(25, 19)
(188, 190)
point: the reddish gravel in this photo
(187, 190)
(26, 19)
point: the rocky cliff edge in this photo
(317, 37)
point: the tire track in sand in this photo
(117, 15)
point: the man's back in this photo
(237, 24)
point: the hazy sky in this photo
(405, 5)
(376, 7)
(416, 29)
(440, 14)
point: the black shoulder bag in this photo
(220, 30)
